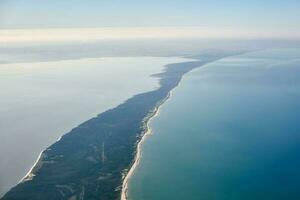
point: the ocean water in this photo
(230, 131)
(41, 101)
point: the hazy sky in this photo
(272, 16)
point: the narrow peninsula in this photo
(92, 160)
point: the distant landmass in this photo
(92, 160)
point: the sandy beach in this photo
(152, 115)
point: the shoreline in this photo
(26, 169)
(137, 158)
(29, 174)
(124, 192)
(111, 125)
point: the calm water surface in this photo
(230, 131)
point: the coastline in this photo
(153, 178)
(124, 192)
(76, 152)
(48, 128)
(30, 173)
(148, 131)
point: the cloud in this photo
(90, 34)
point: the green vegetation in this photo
(90, 161)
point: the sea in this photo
(229, 131)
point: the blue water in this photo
(230, 131)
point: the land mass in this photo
(92, 160)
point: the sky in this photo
(261, 17)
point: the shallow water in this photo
(39, 102)
(230, 131)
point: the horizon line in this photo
(16, 35)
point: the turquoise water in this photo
(230, 131)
